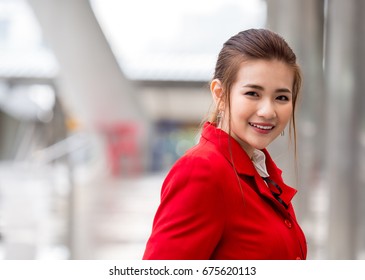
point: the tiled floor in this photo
(116, 216)
(109, 218)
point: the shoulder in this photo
(201, 167)
(204, 155)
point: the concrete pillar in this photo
(301, 23)
(345, 68)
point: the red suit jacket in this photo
(209, 211)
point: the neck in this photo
(246, 147)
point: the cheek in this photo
(286, 114)
(242, 109)
(240, 116)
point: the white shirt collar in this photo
(259, 161)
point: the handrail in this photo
(61, 148)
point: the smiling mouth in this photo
(263, 127)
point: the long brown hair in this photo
(250, 45)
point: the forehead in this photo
(273, 73)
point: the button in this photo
(298, 258)
(288, 223)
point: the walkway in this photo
(109, 219)
(116, 217)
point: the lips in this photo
(262, 126)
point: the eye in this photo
(283, 98)
(252, 93)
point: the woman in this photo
(225, 198)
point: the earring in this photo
(219, 119)
(282, 133)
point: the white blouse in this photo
(258, 160)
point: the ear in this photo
(217, 93)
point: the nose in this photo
(266, 109)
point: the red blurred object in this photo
(123, 147)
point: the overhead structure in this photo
(92, 85)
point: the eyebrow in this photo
(258, 87)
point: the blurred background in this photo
(99, 98)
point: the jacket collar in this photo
(239, 159)
(275, 175)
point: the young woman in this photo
(225, 198)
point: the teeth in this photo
(261, 126)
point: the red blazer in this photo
(209, 211)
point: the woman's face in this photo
(261, 103)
